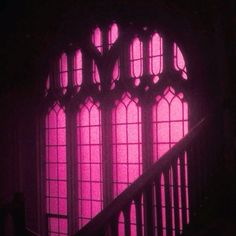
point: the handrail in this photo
(112, 211)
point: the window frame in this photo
(72, 98)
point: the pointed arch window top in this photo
(78, 67)
(96, 76)
(136, 58)
(63, 71)
(115, 74)
(113, 34)
(179, 62)
(155, 54)
(97, 39)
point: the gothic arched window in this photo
(119, 104)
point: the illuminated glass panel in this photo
(126, 143)
(89, 160)
(115, 74)
(56, 171)
(96, 76)
(78, 68)
(63, 71)
(155, 56)
(170, 121)
(136, 58)
(170, 124)
(112, 35)
(97, 39)
(179, 62)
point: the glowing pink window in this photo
(179, 61)
(89, 162)
(155, 56)
(63, 71)
(96, 76)
(170, 121)
(170, 124)
(136, 58)
(97, 39)
(126, 143)
(56, 171)
(78, 68)
(112, 35)
(115, 74)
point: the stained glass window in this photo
(63, 71)
(126, 143)
(56, 171)
(78, 68)
(155, 56)
(108, 104)
(89, 161)
(179, 61)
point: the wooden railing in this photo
(167, 196)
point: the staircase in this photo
(172, 193)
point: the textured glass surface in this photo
(155, 55)
(179, 61)
(56, 171)
(112, 34)
(127, 153)
(97, 39)
(78, 68)
(136, 58)
(89, 161)
(63, 71)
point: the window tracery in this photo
(123, 115)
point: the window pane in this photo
(56, 169)
(126, 143)
(97, 39)
(169, 121)
(136, 58)
(89, 151)
(112, 34)
(155, 55)
(78, 68)
(63, 71)
(179, 61)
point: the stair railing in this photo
(168, 195)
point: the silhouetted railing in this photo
(166, 197)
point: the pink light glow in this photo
(78, 68)
(115, 73)
(170, 124)
(89, 151)
(96, 76)
(136, 58)
(179, 61)
(63, 71)
(170, 121)
(112, 34)
(56, 178)
(97, 39)
(127, 154)
(155, 55)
